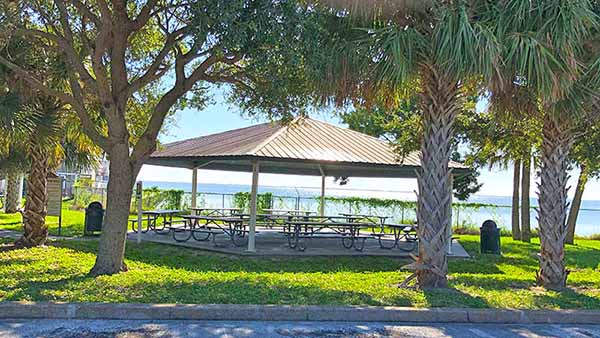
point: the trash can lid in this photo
(489, 224)
(94, 205)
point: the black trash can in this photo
(94, 214)
(489, 238)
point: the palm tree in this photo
(37, 130)
(586, 155)
(544, 46)
(433, 48)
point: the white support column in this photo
(449, 232)
(253, 207)
(322, 206)
(194, 189)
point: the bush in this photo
(263, 201)
(154, 198)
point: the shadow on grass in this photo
(569, 298)
(243, 290)
(452, 297)
(197, 260)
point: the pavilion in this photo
(304, 146)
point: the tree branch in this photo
(154, 72)
(64, 47)
(86, 120)
(143, 16)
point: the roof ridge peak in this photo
(282, 128)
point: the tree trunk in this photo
(525, 203)
(574, 212)
(35, 231)
(556, 144)
(111, 250)
(12, 201)
(439, 105)
(516, 227)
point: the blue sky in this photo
(221, 116)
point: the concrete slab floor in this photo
(271, 243)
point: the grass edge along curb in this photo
(128, 311)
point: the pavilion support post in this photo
(253, 207)
(322, 206)
(194, 189)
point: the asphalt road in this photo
(185, 329)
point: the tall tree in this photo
(586, 155)
(434, 49)
(38, 127)
(515, 214)
(116, 50)
(543, 45)
(525, 201)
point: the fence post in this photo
(138, 194)
(402, 213)
(457, 215)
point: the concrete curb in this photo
(29, 310)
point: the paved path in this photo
(188, 329)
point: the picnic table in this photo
(217, 211)
(152, 217)
(205, 227)
(326, 227)
(406, 232)
(381, 219)
(288, 212)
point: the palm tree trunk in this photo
(439, 105)
(516, 227)
(525, 203)
(35, 231)
(556, 144)
(12, 201)
(574, 212)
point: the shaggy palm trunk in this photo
(13, 199)
(576, 205)
(516, 227)
(35, 231)
(525, 203)
(439, 105)
(556, 144)
(111, 250)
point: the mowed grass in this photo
(167, 274)
(71, 225)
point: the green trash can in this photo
(489, 238)
(94, 215)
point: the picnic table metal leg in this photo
(185, 238)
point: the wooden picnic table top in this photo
(331, 224)
(363, 216)
(401, 225)
(215, 218)
(290, 211)
(216, 209)
(162, 212)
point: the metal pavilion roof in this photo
(303, 147)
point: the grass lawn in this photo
(72, 221)
(166, 274)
